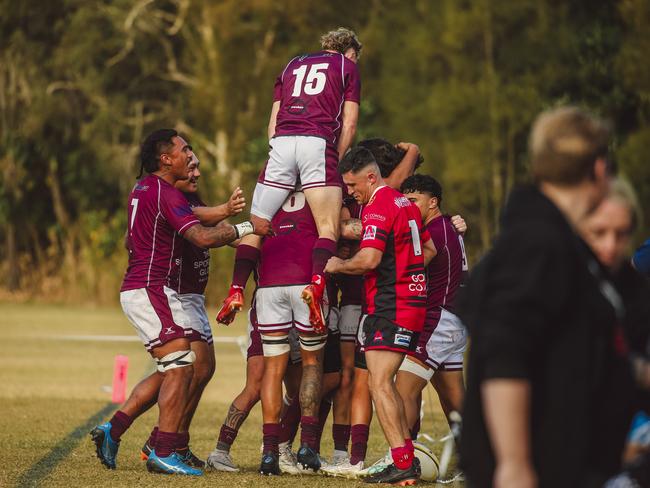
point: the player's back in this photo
(312, 89)
(445, 271)
(286, 257)
(156, 213)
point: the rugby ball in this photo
(428, 462)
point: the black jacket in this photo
(538, 308)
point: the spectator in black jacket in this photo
(548, 362)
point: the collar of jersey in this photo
(375, 192)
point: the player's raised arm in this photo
(211, 216)
(406, 166)
(348, 127)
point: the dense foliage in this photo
(82, 82)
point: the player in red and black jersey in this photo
(394, 251)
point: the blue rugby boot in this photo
(171, 464)
(105, 446)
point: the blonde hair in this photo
(621, 191)
(564, 145)
(340, 40)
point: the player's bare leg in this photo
(311, 350)
(410, 386)
(325, 203)
(382, 367)
(276, 356)
(204, 367)
(450, 386)
(241, 406)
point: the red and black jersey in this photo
(396, 290)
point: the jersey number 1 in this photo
(315, 82)
(415, 236)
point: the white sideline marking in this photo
(128, 338)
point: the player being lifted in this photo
(313, 122)
(394, 251)
(159, 217)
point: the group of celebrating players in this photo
(356, 273)
(356, 270)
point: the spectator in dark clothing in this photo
(548, 353)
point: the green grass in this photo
(52, 387)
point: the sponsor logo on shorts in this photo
(169, 330)
(378, 337)
(402, 340)
(370, 233)
(418, 349)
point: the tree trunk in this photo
(13, 272)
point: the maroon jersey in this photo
(311, 90)
(445, 271)
(158, 215)
(286, 257)
(195, 261)
(396, 290)
(351, 286)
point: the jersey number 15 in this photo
(315, 81)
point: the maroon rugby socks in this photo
(323, 413)
(246, 258)
(322, 251)
(341, 436)
(271, 434)
(309, 428)
(359, 434)
(151, 442)
(119, 425)
(168, 442)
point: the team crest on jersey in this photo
(402, 202)
(370, 233)
(402, 340)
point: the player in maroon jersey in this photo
(190, 285)
(394, 251)
(159, 218)
(312, 124)
(438, 356)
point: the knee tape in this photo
(417, 369)
(177, 359)
(312, 343)
(275, 345)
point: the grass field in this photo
(56, 386)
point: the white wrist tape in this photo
(244, 229)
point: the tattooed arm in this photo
(206, 237)
(351, 229)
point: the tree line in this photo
(82, 83)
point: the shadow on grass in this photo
(44, 466)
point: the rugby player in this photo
(190, 284)
(394, 250)
(438, 356)
(284, 269)
(159, 217)
(312, 124)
